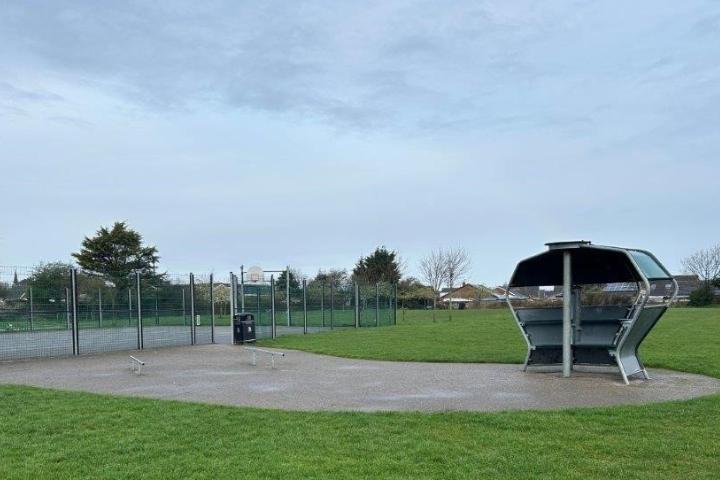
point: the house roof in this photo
(446, 291)
(686, 284)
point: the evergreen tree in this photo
(116, 253)
(381, 266)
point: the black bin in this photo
(243, 328)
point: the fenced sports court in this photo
(59, 312)
(310, 307)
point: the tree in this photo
(433, 271)
(382, 265)
(49, 280)
(4, 290)
(280, 281)
(336, 278)
(413, 294)
(705, 264)
(220, 293)
(117, 252)
(457, 265)
(701, 296)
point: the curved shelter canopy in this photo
(589, 334)
(590, 264)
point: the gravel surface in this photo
(223, 374)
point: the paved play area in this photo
(223, 374)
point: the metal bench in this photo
(136, 364)
(272, 354)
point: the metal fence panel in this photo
(166, 312)
(107, 313)
(35, 312)
(204, 298)
(48, 312)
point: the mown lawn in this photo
(685, 339)
(472, 336)
(52, 434)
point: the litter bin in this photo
(243, 328)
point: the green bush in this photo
(702, 296)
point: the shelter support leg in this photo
(527, 360)
(622, 371)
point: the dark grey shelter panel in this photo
(603, 329)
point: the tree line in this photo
(113, 254)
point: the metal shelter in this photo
(608, 333)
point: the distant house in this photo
(686, 285)
(463, 295)
(501, 294)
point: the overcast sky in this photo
(309, 133)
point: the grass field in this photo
(51, 434)
(492, 336)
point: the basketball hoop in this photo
(255, 275)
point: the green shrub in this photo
(701, 296)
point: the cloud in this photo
(360, 123)
(71, 121)
(372, 65)
(16, 94)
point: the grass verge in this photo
(54, 434)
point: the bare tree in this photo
(457, 265)
(432, 268)
(704, 263)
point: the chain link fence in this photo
(57, 310)
(282, 309)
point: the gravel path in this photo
(223, 374)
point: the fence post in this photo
(31, 309)
(304, 285)
(139, 311)
(357, 305)
(272, 306)
(287, 293)
(183, 305)
(259, 303)
(75, 333)
(232, 297)
(332, 305)
(100, 313)
(68, 320)
(242, 288)
(212, 310)
(129, 306)
(157, 311)
(192, 309)
(377, 304)
(395, 295)
(322, 304)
